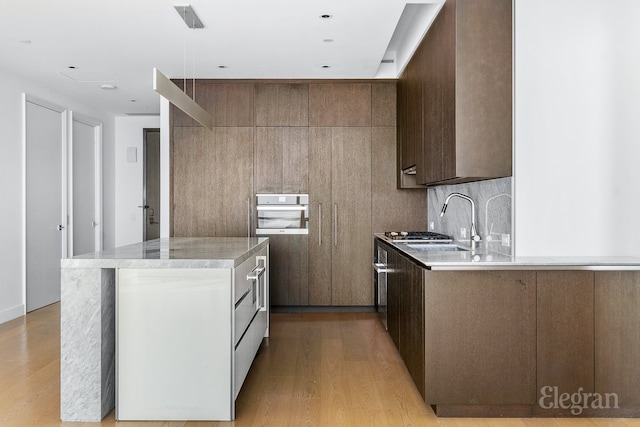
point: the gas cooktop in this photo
(417, 236)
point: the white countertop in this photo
(173, 252)
(483, 259)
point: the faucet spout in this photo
(475, 237)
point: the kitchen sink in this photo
(435, 247)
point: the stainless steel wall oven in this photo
(282, 214)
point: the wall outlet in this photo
(506, 239)
(432, 225)
(463, 232)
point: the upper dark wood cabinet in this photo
(281, 160)
(459, 82)
(383, 104)
(282, 104)
(340, 104)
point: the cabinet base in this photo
(531, 411)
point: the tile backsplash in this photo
(493, 213)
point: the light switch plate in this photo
(132, 154)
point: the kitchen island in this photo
(88, 311)
(484, 334)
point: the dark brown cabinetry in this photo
(212, 181)
(281, 160)
(617, 338)
(405, 313)
(332, 139)
(480, 329)
(339, 217)
(565, 341)
(459, 83)
(516, 343)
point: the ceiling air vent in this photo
(387, 61)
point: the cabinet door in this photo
(340, 104)
(288, 274)
(191, 207)
(281, 160)
(320, 211)
(617, 341)
(282, 104)
(351, 197)
(565, 348)
(411, 319)
(233, 189)
(212, 181)
(480, 329)
(394, 294)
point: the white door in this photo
(85, 186)
(45, 202)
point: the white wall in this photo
(129, 177)
(12, 303)
(577, 127)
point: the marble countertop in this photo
(173, 252)
(482, 259)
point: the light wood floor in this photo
(315, 370)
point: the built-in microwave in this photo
(282, 214)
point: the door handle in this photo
(319, 224)
(60, 227)
(335, 224)
(94, 224)
(144, 206)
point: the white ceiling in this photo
(118, 42)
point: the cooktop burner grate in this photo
(417, 235)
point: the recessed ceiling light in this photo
(325, 16)
(73, 67)
(222, 66)
(326, 66)
(133, 100)
(327, 40)
(108, 87)
(25, 41)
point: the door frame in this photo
(68, 116)
(64, 214)
(145, 215)
(97, 135)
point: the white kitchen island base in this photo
(200, 306)
(173, 344)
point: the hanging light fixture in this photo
(178, 97)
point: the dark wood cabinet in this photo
(565, 341)
(212, 181)
(407, 290)
(281, 160)
(394, 209)
(405, 313)
(282, 104)
(617, 338)
(480, 329)
(340, 216)
(230, 104)
(288, 270)
(507, 343)
(459, 82)
(340, 104)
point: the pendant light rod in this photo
(177, 97)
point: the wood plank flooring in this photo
(330, 369)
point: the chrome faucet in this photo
(475, 237)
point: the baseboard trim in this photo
(322, 309)
(11, 313)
